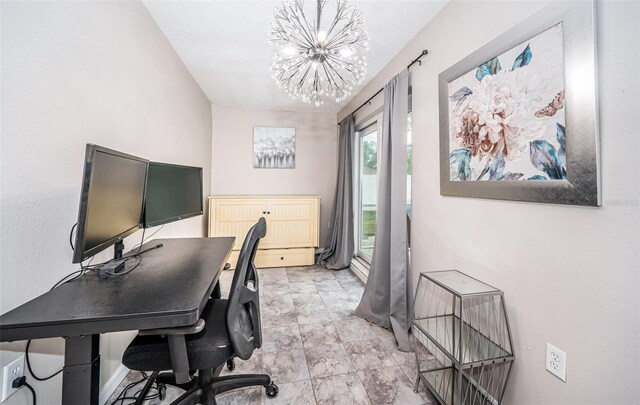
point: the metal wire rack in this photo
(462, 339)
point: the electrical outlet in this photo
(10, 372)
(557, 362)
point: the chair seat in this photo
(207, 349)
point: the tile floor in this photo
(314, 349)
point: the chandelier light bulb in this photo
(288, 50)
(318, 54)
(346, 52)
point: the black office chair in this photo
(196, 354)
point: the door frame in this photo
(362, 129)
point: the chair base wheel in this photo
(272, 390)
(231, 364)
(162, 392)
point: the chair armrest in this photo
(182, 330)
(179, 358)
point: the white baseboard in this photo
(359, 270)
(113, 383)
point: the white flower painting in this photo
(274, 148)
(507, 117)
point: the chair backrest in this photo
(243, 307)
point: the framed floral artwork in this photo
(274, 148)
(518, 117)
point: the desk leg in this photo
(81, 375)
(217, 292)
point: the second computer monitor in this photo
(174, 192)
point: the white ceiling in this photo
(224, 45)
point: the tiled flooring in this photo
(315, 350)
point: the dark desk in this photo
(169, 288)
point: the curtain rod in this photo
(413, 62)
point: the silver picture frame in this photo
(582, 184)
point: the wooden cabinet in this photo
(292, 226)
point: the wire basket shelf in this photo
(461, 324)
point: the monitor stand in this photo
(117, 264)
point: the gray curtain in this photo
(339, 247)
(386, 298)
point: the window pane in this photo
(368, 192)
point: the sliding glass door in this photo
(367, 190)
(366, 187)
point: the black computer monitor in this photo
(174, 192)
(111, 202)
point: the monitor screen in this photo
(111, 201)
(173, 193)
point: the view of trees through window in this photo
(370, 155)
(368, 170)
(368, 191)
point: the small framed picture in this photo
(274, 148)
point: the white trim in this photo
(359, 269)
(112, 384)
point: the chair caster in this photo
(231, 364)
(272, 390)
(162, 391)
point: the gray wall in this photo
(72, 73)
(571, 275)
(316, 156)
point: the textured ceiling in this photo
(224, 45)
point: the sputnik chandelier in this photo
(318, 58)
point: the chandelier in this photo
(318, 58)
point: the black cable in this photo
(131, 269)
(65, 279)
(22, 382)
(88, 264)
(144, 230)
(33, 392)
(148, 396)
(26, 357)
(95, 266)
(71, 236)
(126, 259)
(121, 400)
(123, 395)
(149, 237)
(138, 253)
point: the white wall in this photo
(72, 73)
(571, 275)
(316, 156)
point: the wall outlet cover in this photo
(10, 372)
(556, 362)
